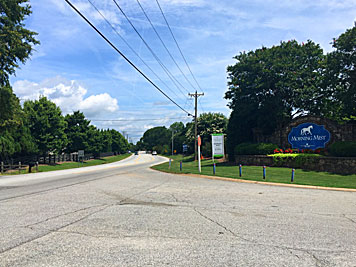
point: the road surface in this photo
(125, 214)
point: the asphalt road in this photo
(125, 214)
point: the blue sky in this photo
(77, 69)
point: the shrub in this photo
(343, 149)
(295, 160)
(255, 149)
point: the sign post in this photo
(217, 142)
(199, 144)
(81, 156)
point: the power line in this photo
(152, 52)
(138, 119)
(175, 40)
(121, 54)
(129, 46)
(164, 45)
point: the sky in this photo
(74, 67)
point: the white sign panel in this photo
(217, 144)
(81, 153)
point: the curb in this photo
(263, 183)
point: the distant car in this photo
(136, 152)
(154, 153)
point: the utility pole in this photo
(196, 95)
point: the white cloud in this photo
(68, 95)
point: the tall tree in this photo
(270, 86)
(14, 136)
(119, 143)
(47, 125)
(341, 76)
(77, 132)
(16, 41)
(156, 138)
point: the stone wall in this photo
(339, 132)
(324, 164)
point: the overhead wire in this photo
(174, 80)
(164, 45)
(122, 55)
(180, 50)
(137, 119)
(131, 48)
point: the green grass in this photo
(72, 165)
(255, 173)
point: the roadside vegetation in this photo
(255, 173)
(71, 165)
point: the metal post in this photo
(170, 162)
(20, 167)
(214, 168)
(37, 166)
(240, 170)
(292, 178)
(264, 172)
(180, 167)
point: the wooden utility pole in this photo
(196, 95)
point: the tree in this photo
(155, 138)
(77, 132)
(208, 124)
(16, 41)
(95, 141)
(179, 138)
(341, 77)
(46, 124)
(119, 143)
(270, 86)
(14, 135)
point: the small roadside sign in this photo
(81, 153)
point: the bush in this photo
(295, 160)
(255, 149)
(343, 149)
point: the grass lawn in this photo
(255, 173)
(72, 165)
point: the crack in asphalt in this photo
(61, 215)
(220, 225)
(49, 231)
(348, 218)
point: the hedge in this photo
(255, 149)
(343, 149)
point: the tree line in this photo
(160, 138)
(269, 87)
(39, 128)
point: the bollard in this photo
(20, 167)
(37, 166)
(240, 170)
(2, 167)
(170, 163)
(292, 178)
(180, 166)
(264, 172)
(214, 168)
